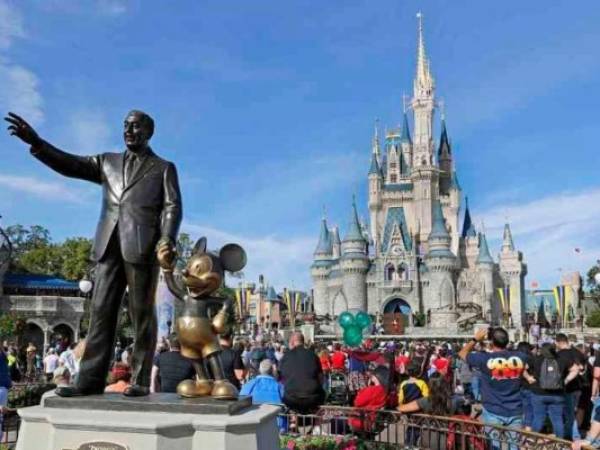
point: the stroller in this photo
(338, 393)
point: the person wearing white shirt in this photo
(50, 364)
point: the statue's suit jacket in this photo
(146, 209)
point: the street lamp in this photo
(85, 285)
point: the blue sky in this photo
(267, 108)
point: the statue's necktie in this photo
(130, 167)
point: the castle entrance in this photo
(396, 316)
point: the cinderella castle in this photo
(417, 266)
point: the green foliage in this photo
(11, 324)
(34, 252)
(593, 319)
(330, 443)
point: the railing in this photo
(383, 429)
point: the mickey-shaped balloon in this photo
(196, 328)
(354, 327)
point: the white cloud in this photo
(19, 92)
(283, 262)
(548, 231)
(43, 189)
(11, 24)
(18, 85)
(88, 132)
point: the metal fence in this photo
(384, 429)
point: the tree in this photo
(594, 287)
(11, 325)
(34, 252)
(593, 319)
(75, 255)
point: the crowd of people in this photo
(549, 388)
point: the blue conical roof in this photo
(374, 169)
(484, 252)
(444, 142)
(272, 294)
(354, 229)
(468, 227)
(405, 137)
(325, 245)
(438, 227)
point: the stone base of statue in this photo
(444, 319)
(155, 422)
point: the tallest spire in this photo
(423, 79)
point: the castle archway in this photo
(33, 333)
(397, 315)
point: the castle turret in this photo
(336, 243)
(320, 269)
(513, 271)
(355, 263)
(375, 186)
(406, 155)
(445, 160)
(424, 174)
(441, 264)
(470, 240)
(485, 271)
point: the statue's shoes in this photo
(224, 390)
(195, 388)
(75, 391)
(135, 390)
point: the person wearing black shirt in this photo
(233, 366)
(547, 402)
(172, 367)
(302, 377)
(571, 356)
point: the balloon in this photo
(363, 320)
(353, 336)
(346, 319)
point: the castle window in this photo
(389, 272)
(393, 178)
(392, 165)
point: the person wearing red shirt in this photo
(370, 399)
(338, 359)
(401, 362)
(442, 363)
(325, 362)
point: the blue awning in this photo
(33, 281)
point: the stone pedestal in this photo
(443, 319)
(156, 422)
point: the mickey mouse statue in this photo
(197, 331)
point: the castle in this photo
(415, 262)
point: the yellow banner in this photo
(502, 301)
(557, 300)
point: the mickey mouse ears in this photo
(233, 257)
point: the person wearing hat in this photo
(264, 388)
(371, 399)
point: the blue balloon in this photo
(346, 319)
(353, 336)
(363, 320)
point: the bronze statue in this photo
(197, 331)
(141, 208)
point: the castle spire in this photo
(438, 227)
(468, 227)
(423, 79)
(405, 136)
(324, 247)
(444, 151)
(354, 232)
(376, 152)
(507, 240)
(484, 256)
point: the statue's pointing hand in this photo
(20, 128)
(166, 255)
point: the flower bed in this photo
(288, 442)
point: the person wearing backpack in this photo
(548, 374)
(573, 389)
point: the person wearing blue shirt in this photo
(264, 388)
(501, 371)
